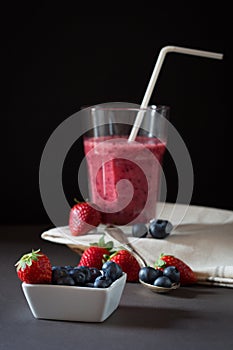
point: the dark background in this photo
(61, 58)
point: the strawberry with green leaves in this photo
(83, 217)
(187, 275)
(96, 254)
(34, 268)
(128, 263)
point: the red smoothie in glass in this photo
(111, 159)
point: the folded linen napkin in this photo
(216, 276)
(202, 237)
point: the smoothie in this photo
(111, 159)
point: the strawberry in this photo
(128, 263)
(96, 254)
(187, 276)
(34, 267)
(83, 216)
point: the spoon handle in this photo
(135, 252)
(117, 234)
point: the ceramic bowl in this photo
(72, 303)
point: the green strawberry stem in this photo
(77, 201)
(160, 263)
(101, 243)
(27, 259)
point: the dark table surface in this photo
(194, 317)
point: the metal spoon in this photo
(158, 289)
(117, 234)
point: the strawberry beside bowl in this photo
(72, 303)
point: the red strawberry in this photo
(94, 256)
(34, 267)
(83, 216)
(128, 263)
(187, 276)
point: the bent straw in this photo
(154, 78)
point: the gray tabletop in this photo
(194, 317)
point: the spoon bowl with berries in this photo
(159, 281)
(158, 289)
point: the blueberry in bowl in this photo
(76, 294)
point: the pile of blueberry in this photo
(157, 228)
(160, 278)
(84, 276)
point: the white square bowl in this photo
(72, 303)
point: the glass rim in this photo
(131, 109)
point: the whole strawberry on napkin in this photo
(83, 217)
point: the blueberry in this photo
(94, 273)
(58, 272)
(139, 230)
(160, 228)
(149, 274)
(172, 273)
(112, 270)
(102, 282)
(65, 280)
(163, 281)
(86, 271)
(78, 276)
(108, 264)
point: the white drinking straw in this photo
(154, 77)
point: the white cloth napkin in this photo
(202, 237)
